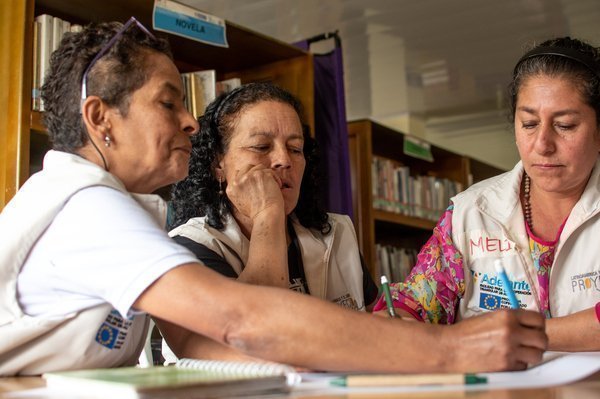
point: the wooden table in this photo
(585, 389)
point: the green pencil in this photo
(388, 380)
(388, 297)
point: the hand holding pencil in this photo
(388, 296)
(390, 310)
(507, 339)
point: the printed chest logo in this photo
(585, 282)
(113, 331)
(491, 291)
(298, 285)
(346, 301)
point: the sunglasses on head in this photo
(132, 21)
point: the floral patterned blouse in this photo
(436, 283)
(542, 253)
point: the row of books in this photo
(48, 31)
(396, 190)
(201, 87)
(395, 262)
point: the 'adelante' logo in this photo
(496, 281)
(492, 294)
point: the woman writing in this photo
(85, 259)
(541, 220)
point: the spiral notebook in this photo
(188, 378)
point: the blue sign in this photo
(187, 22)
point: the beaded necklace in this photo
(526, 197)
(542, 252)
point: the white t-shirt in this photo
(102, 247)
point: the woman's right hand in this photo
(254, 189)
(497, 341)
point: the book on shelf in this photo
(395, 262)
(187, 378)
(35, 85)
(225, 86)
(59, 28)
(187, 89)
(201, 89)
(44, 43)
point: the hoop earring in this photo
(107, 141)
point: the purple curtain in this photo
(331, 130)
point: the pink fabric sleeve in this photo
(436, 283)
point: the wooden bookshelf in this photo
(251, 57)
(410, 221)
(367, 140)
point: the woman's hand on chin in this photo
(254, 190)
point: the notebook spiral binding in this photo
(240, 368)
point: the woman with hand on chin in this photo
(250, 209)
(545, 212)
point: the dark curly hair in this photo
(116, 75)
(198, 194)
(579, 62)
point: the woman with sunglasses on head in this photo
(541, 220)
(253, 154)
(85, 258)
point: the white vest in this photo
(34, 345)
(488, 224)
(331, 262)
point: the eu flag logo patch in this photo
(107, 336)
(489, 302)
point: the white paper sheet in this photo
(557, 369)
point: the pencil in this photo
(388, 297)
(388, 380)
(506, 284)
